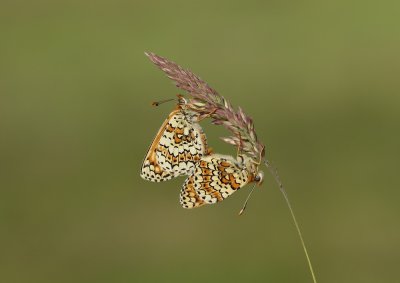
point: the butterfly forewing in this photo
(215, 178)
(178, 145)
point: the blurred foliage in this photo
(320, 80)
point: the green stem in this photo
(282, 189)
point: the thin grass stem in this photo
(274, 173)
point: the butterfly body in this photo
(180, 148)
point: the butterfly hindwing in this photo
(178, 145)
(216, 177)
(151, 169)
(189, 197)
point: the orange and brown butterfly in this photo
(216, 177)
(178, 146)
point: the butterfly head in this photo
(181, 100)
(252, 167)
(259, 178)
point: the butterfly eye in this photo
(259, 178)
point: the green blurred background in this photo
(320, 79)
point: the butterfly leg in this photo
(207, 115)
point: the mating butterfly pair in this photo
(180, 148)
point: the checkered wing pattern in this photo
(214, 179)
(177, 147)
(189, 197)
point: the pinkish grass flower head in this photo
(207, 102)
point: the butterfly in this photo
(178, 146)
(215, 177)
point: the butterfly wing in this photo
(189, 197)
(151, 169)
(178, 145)
(216, 177)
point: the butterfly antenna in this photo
(247, 199)
(274, 173)
(157, 103)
